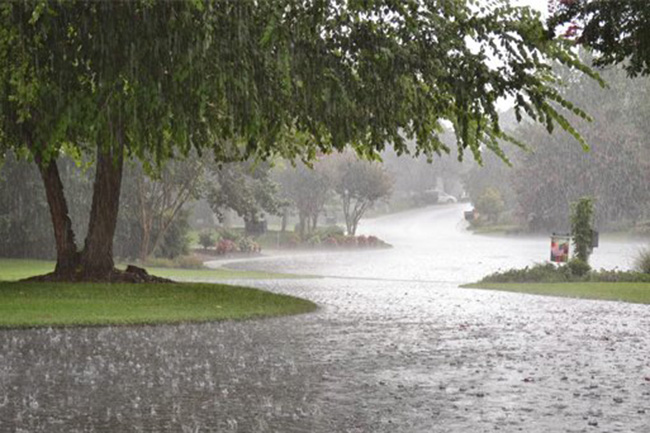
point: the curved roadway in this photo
(394, 347)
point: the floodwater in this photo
(395, 346)
(433, 245)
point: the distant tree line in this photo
(537, 190)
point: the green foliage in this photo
(577, 267)
(175, 241)
(229, 234)
(271, 77)
(541, 272)
(128, 237)
(642, 262)
(244, 187)
(616, 30)
(155, 203)
(582, 230)
(574, 271)
(617, 276)
(207, 239)
(490, 203)
(248, 245)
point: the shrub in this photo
(540, 272)
(206, 239)
(578, 267)
(642, 263)
(314, 240)
(226, 246)
(574, 271)
(616, 276)
(229, 235)
(490, 203)
(248, 245)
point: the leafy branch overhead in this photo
(272, 77)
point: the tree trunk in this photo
(144, 243)
(67, 257)
(314, 221)
(145, 220)
(97, 256)
(301, 224)
(285, 217)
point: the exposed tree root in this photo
(132, 274)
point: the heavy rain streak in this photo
(324, 216)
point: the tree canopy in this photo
(153, 80)
(174, 75)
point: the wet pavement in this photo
(395, 346)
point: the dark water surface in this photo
(394, 347)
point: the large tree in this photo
(151, 80)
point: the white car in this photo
(445, 198)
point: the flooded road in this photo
(394, 347)
(433, 244)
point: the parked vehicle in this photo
(445, 198)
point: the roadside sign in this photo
(560, 248)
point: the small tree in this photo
(246, 188)
(490, 203)
(308, 189)
(582, 213)
(360, 184)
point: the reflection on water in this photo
(378, 356)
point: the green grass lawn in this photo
(69, 304)
(16, 269)
(638, 293)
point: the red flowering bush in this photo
(226, 246)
